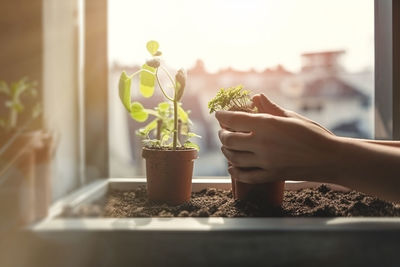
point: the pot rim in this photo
(181, 154)
(168, 150)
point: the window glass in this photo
(311, 56)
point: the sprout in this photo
(14, 93)
(171, 118)
(233, 98)
(180, 80)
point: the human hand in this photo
(266, 148)
(265, 105)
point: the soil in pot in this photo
(211, 202)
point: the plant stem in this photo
(179, 131)
(162, 90)
(158, 81)
(13, 119)
(169, 76)
(139, 71)
(175, 136)
(175, 123)
(159, 124)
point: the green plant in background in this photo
(171, 120)
(13, 94)
(233, 98)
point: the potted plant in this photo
(239, 99)
(167, 148)
(14, 95)
(22, 149)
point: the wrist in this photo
(333, 162)
(349, 158)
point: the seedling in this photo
(233, 99)
(13, 94)
(157, 133)
(238, 99)
(171, 120)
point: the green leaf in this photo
(20, 87)
(154, 143)
(16, 106)
(125, 90)
(152, 46)
(4, 88)
(182, 114)
(138, 112)
(147, 81)
(165, 138)
(149, 127)
(152, 112)
(163, 106)
(190, 135)
(37, 110)
(189, 144)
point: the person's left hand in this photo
(266, 148)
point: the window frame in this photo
(387, 69)
(387, 81)
(96, 152)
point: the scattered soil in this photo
(211, 202)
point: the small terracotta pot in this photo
(169, 174)
(43, 157)
(17, 193)
(233, 182)
(26, 168)
(268, 194)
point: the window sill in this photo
(155, 239)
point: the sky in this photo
(242, 34)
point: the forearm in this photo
(379, 142)
(366, 166)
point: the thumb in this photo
(264, 105)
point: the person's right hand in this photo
(265, 105)
(265, 148)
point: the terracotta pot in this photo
(233, 183)
(17, 172)
(169, 174)
(43, 156)
(269, 194)
(26, 194)
(233, 188)
(5, 139)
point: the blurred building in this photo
(325, 92)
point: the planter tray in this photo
(208, 241)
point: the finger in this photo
(235, 140)
(235, 120)
(240, 158)
(224, 127)
(264, 105)
(251, 176)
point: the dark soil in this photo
(211, 202)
